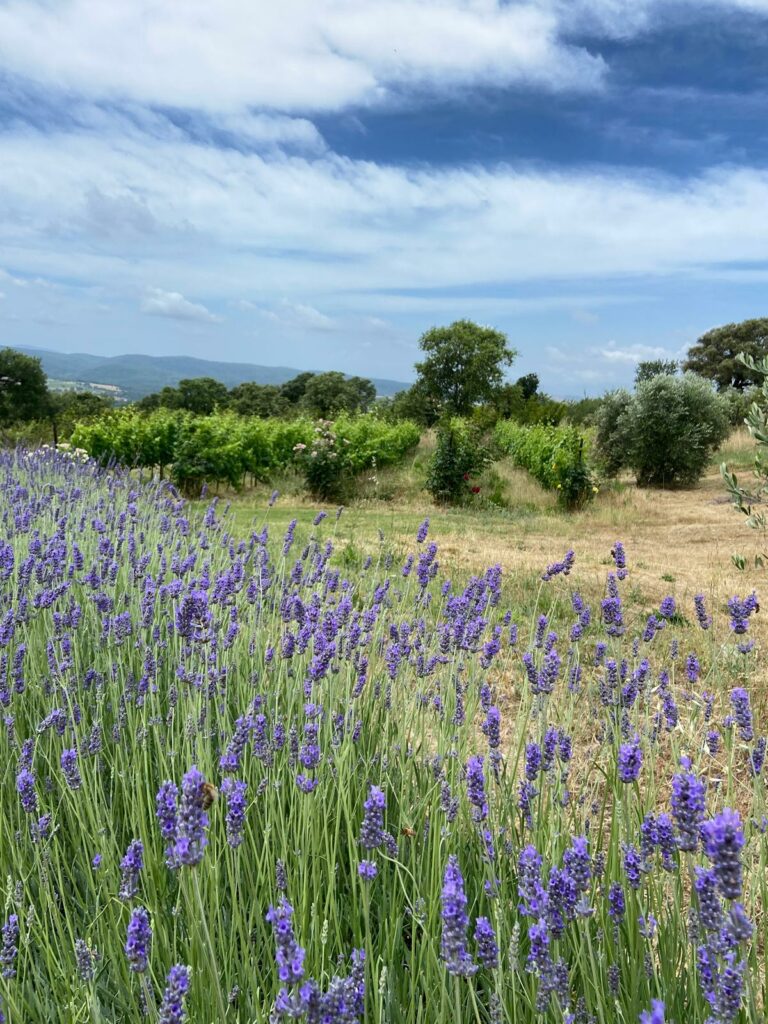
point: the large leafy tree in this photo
(252, 399)
(23, 388)
(463, 365)
(715, 354)
(329, 393)
(647, 369)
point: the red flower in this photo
(466, 476)
(475, 490)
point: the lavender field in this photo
(247, 779)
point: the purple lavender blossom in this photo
(668, 607)
(630, 761)
(620, 559)
(176, 988)
(25, 786)
(367, 870)
(289, 955)
(704, 620)
(487, 947)
(688, 808)
(166, 809)
(70, 769)
(453, 944)
(423, 530)
(130, 866)
(723, 839)
(10, 949)
(655, 1015)
(476, 788)
(234, 790)
(742, 713)
(740, 612)
(190, 839)
(372, 828)
(138, 940)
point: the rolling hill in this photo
(139, 375)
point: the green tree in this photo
(649, 368)
(716, 354)
(202, 395)
(327, 394)
(529, 385)
(413, 404)
(24, 392)
(463, 365)
(666, 432)
(293, 389)
(264, 400)
(67, 408)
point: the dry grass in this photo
(677, 542)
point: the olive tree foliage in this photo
(748, 501)
(463, 365)
(716, 355)
(666, 432)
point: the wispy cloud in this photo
(173, 304)
(632, 354)
(296, 55)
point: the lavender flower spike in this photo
(192, 820)
(177, 985)
(723, 840)
(138, 940)
(453, 945)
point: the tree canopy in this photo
(647, 369)
(715, 354)
(463, 365)
(23, 388)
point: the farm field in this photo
(265, 763)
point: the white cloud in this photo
(296, 55)
(173, 304)
(299, 316)
(329, 233)
(632, 353)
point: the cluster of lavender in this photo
(507, 822)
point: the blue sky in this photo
(315, 183)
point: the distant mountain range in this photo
(139, 375)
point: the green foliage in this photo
(225, 447)
(463, 365)
(748, 501)
(511, 403)
(739, 403)
(553, 455)
(415, 404)
(23, 388)
(665, 433)
(613, 440)
(324, 462)
(716, 354)
(316, 394)
(648, 368)
(251, 399)
(201, 395)
(327, 394)
(582, 411)
(459, 455)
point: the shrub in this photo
(554, 456)
(459, 454)
(324, 462)
(665, 433)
